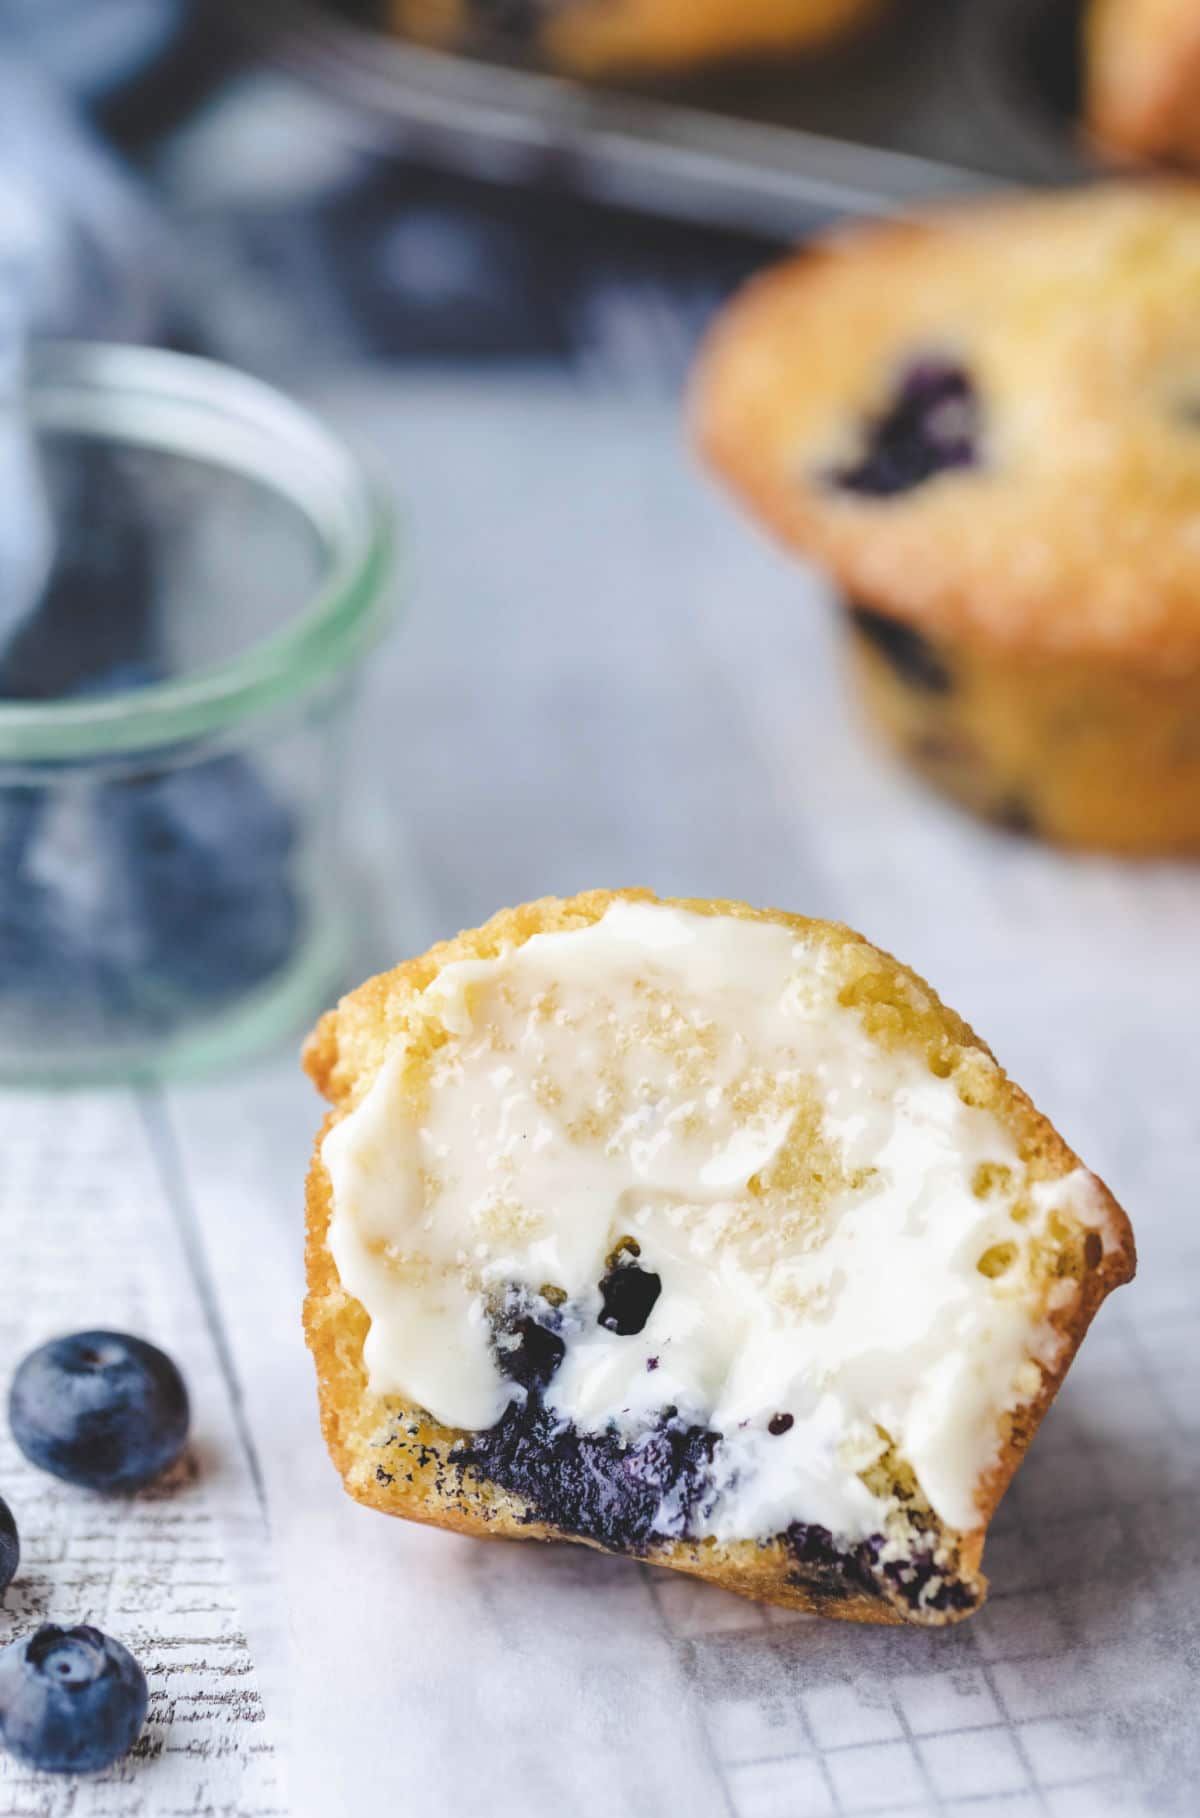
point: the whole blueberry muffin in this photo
(1142, 77)
(597, 37)
(986, 425)
(696, 1233)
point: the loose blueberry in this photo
(100, 1409)
(72, 1701)
(781, 1423)
(931, 424)
(19, 809)
(127, 902)
(207, 849)
(911, 655)
(24, 958)
(628, 1293)
(10, 1547)
(97, 608)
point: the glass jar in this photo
(191, 569)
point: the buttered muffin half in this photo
(698, 1233)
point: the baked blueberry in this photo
(10, 1547)
(529, 1353)
(830, 1572)
(923, 1584)
(72, 1701)
(624, 1492)
(529, 1348)
(915, 1577)
(930, 424)
(628, 1294)
(911, 655)
(1015, 815)
(100, 1409)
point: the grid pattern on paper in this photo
(1039, 1707)
(1070, 1695)
(692, 768)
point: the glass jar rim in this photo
(182, 404)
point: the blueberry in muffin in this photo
(695, 1233)
(985, 425)
(603, 37)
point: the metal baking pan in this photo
(946, 97)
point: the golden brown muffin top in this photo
(1143, 77)
(596, 38)
(986, 421)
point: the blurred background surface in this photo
(491, 283)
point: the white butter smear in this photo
(640, 1078)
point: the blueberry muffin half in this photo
(986, 425)
(1142, 77)
(601, 37)
(696, 1233)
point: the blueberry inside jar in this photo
(196, 570)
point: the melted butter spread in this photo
(808, 1198)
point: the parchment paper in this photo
(607, 679)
